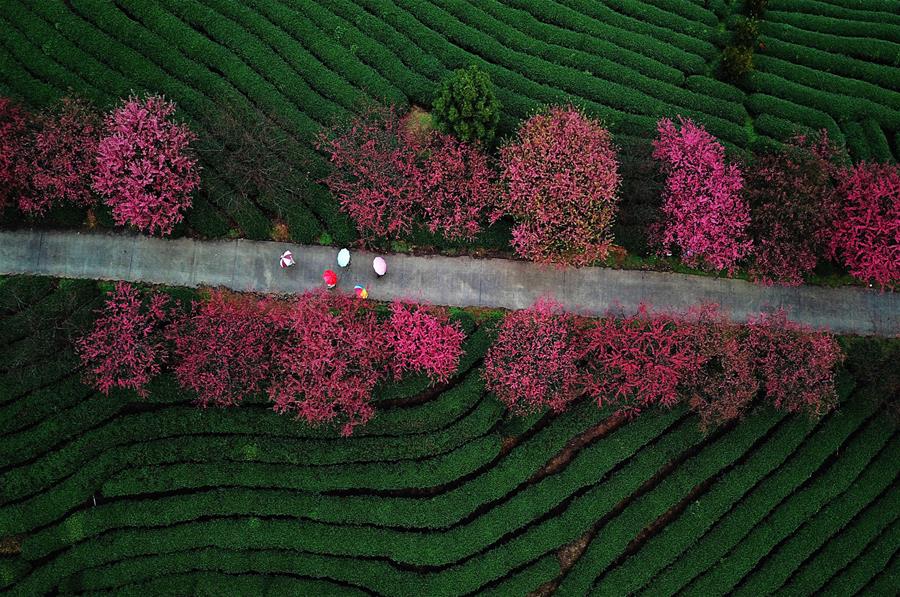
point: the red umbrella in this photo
(330, 278)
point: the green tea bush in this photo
(467, 107)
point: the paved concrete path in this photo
(253, 266)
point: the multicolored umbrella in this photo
(361, 292)
(287, 259)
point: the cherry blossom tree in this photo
(126, 347)
(146, 171)
(61, 157)
(375, 171)
(792, 194)
(329, 353)
(703, 212)
(221, 348)
(723, 386)
(795, 365)
(560, 178)
(639, 361)
(423, 340)
(13, 133)
(534, 362)
(456, 187)
(866, 223)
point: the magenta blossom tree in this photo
(703, 212)
(456, 187)
(724, 385)
(795, 364)
(145, 169)
(126, 347)
(866, 223)
(534, 362)
(61, 157)
(13, 133)
(639, 361)
(560, 178)
(374, 171)
(423, 340)
(792, 194)
(329, 352)
(222, 348)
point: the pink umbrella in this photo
(380, 266)
(330, 278)
(287, 259)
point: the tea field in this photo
(831, 64)
(442, 493)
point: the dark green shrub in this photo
(736, 62)
(755, 8)
(467, 107)
(746, 32)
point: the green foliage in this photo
(746, 31)
(736, 63)
(755, 8)
(467, 107)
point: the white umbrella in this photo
(343, 258)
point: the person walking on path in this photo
(361, 292)
(330, 278)
(379, 265)
(343, 258)
(287, 259)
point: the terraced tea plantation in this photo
(442, 493)
(828, 64)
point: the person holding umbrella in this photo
(330, 278)
(379, 265)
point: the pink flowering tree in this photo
(126, 347)
(639, 361)
(723, 386)
(374, 171)
(222, 348)
(61, 157)
(13, 133)
(704, 215)
(791, 195)
(328, 354)
(423, 340)
(145, 169)
(795, 365)
(456, 187)
(560, 178)
(866, 223)
(534, 362)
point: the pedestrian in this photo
(361, 292)
(287, 259)
(343, 258)
(330, 278)
(379, 266)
